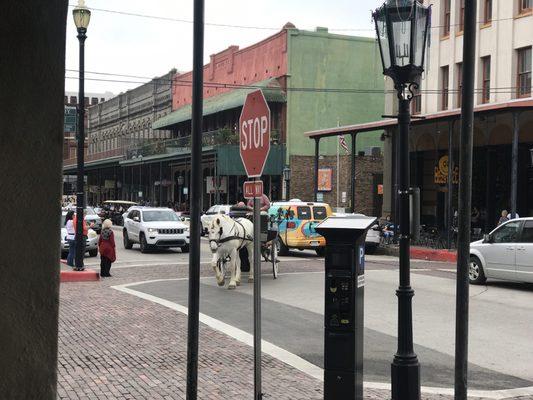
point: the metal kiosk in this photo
(344, 305)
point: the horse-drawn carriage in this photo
(231, 241)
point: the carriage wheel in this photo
(274, 249)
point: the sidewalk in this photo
(116, 346)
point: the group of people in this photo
(106, 244)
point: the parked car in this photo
(91, 243)
(505, 253)
(91, 217)
(373, 235)
(297, 222)
(154, 227)
(211, 213)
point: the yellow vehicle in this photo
(296, 222)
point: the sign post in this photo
(254, 138)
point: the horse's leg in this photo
(218, 273)
(233, 267)
(237, 268)
(250, 247)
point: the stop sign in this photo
(254, 133)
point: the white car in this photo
(373, 235)
(91, 243)
(154, 227)
(211, 213)
(505, 253)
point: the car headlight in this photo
(152, 230)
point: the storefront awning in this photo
(441, 115)
(227, 101)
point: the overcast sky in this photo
(130, 45)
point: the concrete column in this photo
(32, 44)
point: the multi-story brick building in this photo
(503, 128)
(310, 80)
(116, 127)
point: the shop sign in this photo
(211, 186)
(441, 172)
(325, 179)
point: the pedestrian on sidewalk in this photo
(71, 238)
(83, 241)
(106, 246)
(504, 217)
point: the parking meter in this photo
(344, 305)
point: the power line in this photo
(170, 19)
(510, 89)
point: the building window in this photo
(485, 73)
(524, 72)
(444, 71)
(459, 70)
(524, 6)
(461, 15)
(416, 103)
(446, 18)
(487, 12)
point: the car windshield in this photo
(150, 216)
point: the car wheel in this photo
(93, 253)
(476, 276)
(185, 249)
(321, 251)
(144, 245)
(283, 250)
(64, 256)
(128, 244)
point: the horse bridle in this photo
(221, 239)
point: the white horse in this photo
(226, 237)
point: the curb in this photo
(89, 275)
(433, 255)
(420, 253)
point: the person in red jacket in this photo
(106, 246)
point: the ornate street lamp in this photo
(287, 179)
(82, 16)
(402, 28)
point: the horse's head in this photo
(215, 232)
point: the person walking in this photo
(106, 246)
(71, 236)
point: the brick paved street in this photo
(116, 346)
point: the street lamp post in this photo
(180, 182)
(82, 16)
(287, 179)
(402, 30)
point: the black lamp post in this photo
(180, 182)
(402, 30)
(287, 179)
(82, 16)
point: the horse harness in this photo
(221, 239)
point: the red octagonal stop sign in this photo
(254, 133)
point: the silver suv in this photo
(153, 228)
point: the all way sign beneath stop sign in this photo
(254, 133)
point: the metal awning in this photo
(441, 115)
(226, 101)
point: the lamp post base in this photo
(405, 379)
